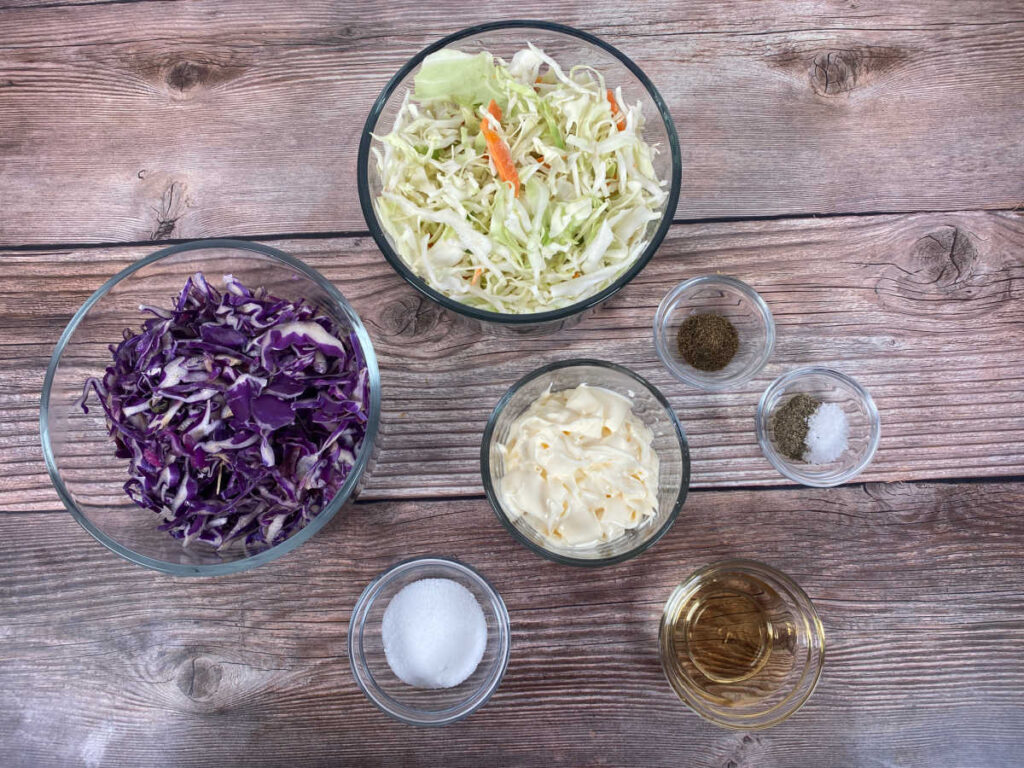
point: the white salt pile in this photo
(827, 434)
(434, 633)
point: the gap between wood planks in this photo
(357, 233)
(43, 6)
(997, 480)
(990, 480)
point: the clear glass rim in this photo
(786, 469)
(396, 262)
(492, 494)
(357, 656)
(815, 657)
(235, 566)
(662, 344)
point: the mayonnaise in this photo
(580, 467)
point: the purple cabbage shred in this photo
(241, 414)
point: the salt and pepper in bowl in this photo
(817, 426)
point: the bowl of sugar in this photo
(429, 641)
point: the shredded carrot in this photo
(476, 276)
(620, 119)
(499, 151)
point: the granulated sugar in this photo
(827, 434)
(434, 633)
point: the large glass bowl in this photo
(425, 706)
(567, 46)
(648, 404)
(77, 448)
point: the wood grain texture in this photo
(925, 310)
(124, 122)
(919, 588)
(143, 121)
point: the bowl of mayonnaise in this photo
(585, 462)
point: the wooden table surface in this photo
(860, 163)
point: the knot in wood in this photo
(837, 71)
(173, 202)
(186, 75)
(946, 258)
(834, 72)
(742, 752)
(943, 275)
(409, 317)
(199, 678)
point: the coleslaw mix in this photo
(516, 187)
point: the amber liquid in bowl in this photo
(741, 644)
(731, 641)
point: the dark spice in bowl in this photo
(708, 341)
(790, 425)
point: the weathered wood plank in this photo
(919, 588)
(925, 310)
(693, 18)
(143, 121)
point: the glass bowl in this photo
(741, 644)
(77, 448)
(425, 706)
(828, 386)
(567, 46)
(739, 304)
(648, 404)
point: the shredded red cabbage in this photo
(241, 414)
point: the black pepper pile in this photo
(707, 341)
(790, 425)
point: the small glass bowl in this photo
(569, 47)
(828, 386)
(772, 655)
(648, 404)
(738, 303)
(425, 706)
(77, 447)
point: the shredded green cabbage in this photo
(588, 187)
